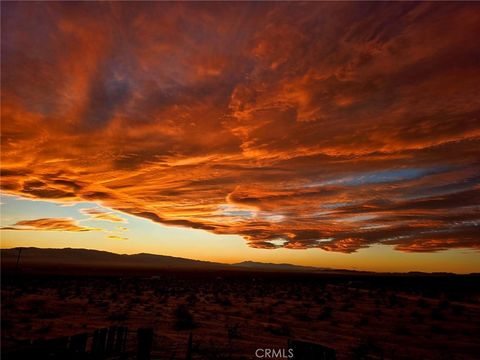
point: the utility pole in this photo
(18, 257)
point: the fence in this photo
(118, 343)
(105, 343)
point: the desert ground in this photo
(232, 313)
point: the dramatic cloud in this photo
(298, 125)
(48, 224)
(115, 237)
(100, 214)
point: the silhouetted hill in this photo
(93, 258)
(62, 259)
(271, 266)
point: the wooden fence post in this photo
(189, 347)
(78, 343)
(144, 343)
(98, 343)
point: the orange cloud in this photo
(99, 214)
(324, 125)
(115, 237)
(51, 224)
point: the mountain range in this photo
(32, 256)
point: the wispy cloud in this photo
(100, 214)
(116, 237)
(51, 224)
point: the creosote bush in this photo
(183, 318)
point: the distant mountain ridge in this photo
(273, 266)
(86, 257)
(32, 257)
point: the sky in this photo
(329, 134)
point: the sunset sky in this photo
(339, 135)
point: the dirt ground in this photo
(231, 315)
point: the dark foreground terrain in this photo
(231, 313)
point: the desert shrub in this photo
(302, 316)
(36, 303)
(224, 301)
(213, 351)
(437, 329)
(444, 304)
(401, 329)
(18, 293)
(8, 306)
(347, 306)
(7, 324)
(191, 299)
(135, 300)
(457, 309)
(183, 318)
(45, 314)
(233, 331)
(103, 304)
(422, 303)
(416, 316)
(326, 313)
(393, 300)
(163, 299)
(367, 349)
(279, 330)
(62, 293)
(263, 310)
(32, 290)
(363, 321)
(436, 314)
(45, 329)
(238, 313)
(25, 320)
(138, 291)
(118, 316)
(319, 300)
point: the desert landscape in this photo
(236, 180)
(232, 311)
